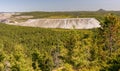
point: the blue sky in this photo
(57, 5)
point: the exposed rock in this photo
(23, 17)
(69, 23)
(5, 17)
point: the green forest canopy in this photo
(40, 49)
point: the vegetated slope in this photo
(34, 49)
(75, 14)
(18, 44)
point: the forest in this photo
(43, 49)
(71, 14)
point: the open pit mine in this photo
(66, 23)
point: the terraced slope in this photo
(69, 23)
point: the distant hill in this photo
(101, 10)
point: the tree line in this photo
(40, 49)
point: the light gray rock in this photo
(68, 23)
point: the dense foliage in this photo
(39, 49)
(75, 14)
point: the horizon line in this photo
(60, 11)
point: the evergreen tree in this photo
(110, 32)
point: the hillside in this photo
(43, 49)
(70, 14)
(68, 23)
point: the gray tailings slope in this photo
(68, 23)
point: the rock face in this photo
(5, 17)
(68, 23)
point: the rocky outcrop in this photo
(5, 17)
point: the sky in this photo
(58, 5)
